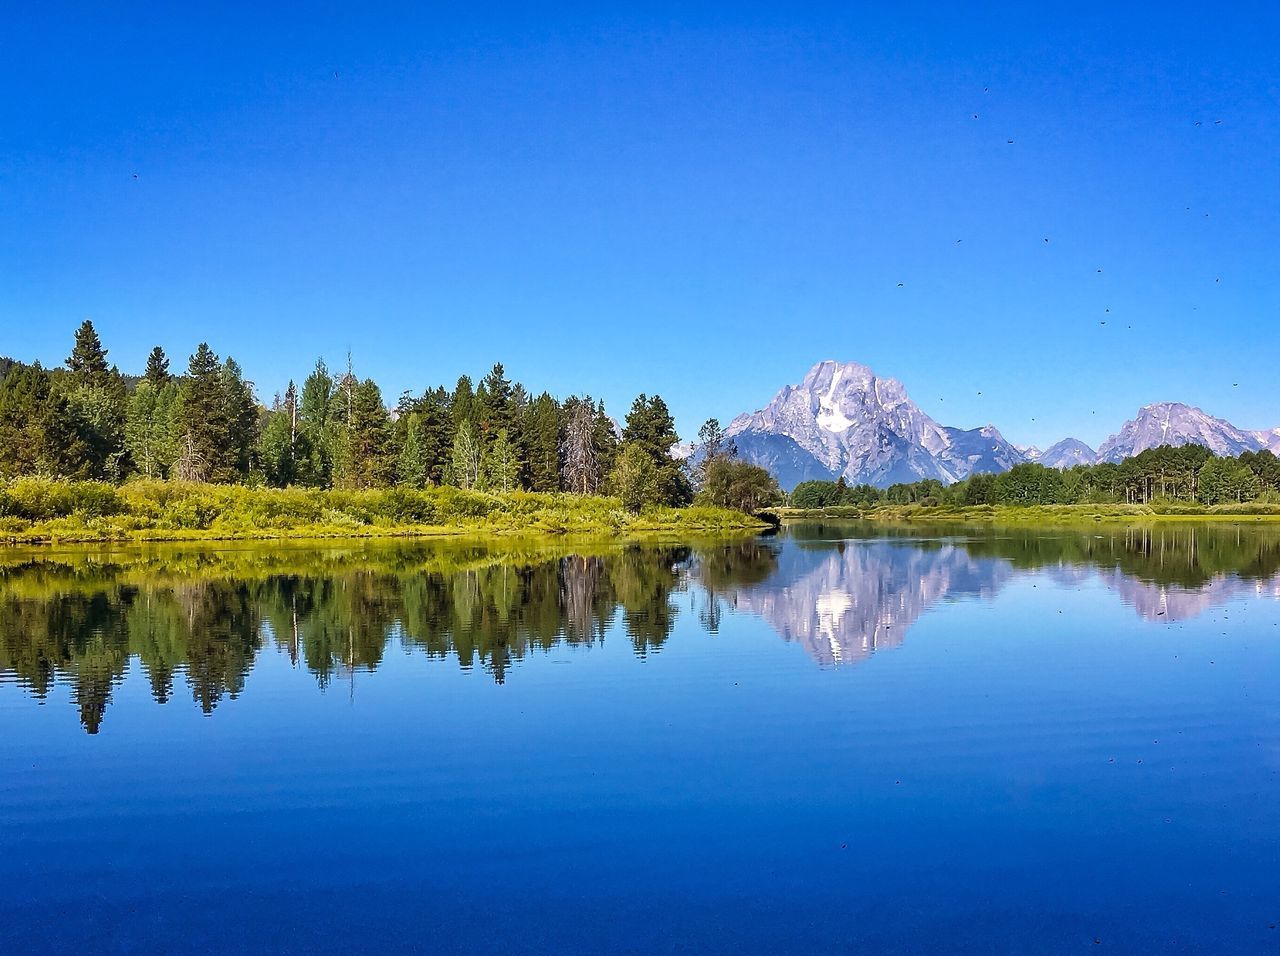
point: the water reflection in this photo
(843, 600)
(79, 618)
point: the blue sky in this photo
(692, 201)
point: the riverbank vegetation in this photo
(149, 454)
(41, 510)
(1041, 515)
(1161, 482)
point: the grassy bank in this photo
(34, 511)
(1046, 515)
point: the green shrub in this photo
(406, 506)
(42, 499)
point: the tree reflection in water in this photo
(842, 591)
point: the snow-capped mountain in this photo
(683, 450)
(844, 603)
(843, 419)
(1270, 439)
(1172, 423)
(1067, 454)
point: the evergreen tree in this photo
(437, 433)
(498, 401)
(542, 440)
(93, 406)
(651, 428)
(279, 448)
(157, 372)
(317, 428)
(203, 426)
(462, 404)
(242, 420)
(65, 451)
(606, 441)
(366, 458)
(413, 468)
(24, 412)
(88, 359)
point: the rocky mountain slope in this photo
(1172, 423)
(842, 420)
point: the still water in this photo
(839, 738)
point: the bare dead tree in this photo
(581, 469)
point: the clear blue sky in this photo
(692, 201)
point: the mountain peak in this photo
(844, 420)
(1067, 454)
(1175, 423)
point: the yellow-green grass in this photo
(1046, 515)
(35, 510)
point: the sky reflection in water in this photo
(458, 746)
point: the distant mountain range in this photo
(844, 420)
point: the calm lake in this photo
(838, 738)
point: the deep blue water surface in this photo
(837, 739)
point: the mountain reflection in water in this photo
(80, 617)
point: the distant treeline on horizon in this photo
(1187, 474)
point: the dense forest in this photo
(1188, 474)
(89, 422)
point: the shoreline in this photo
(39, 512)
(638, 533)
(1047, 516)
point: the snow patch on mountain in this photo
(844, 420)
(1172, 423)
(1067, 454)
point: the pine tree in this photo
(280, 446)
(157, 372)
(316, 428)
(94, 406)
(606, 441)
(500, 408)
(242, 419)
(65, 452)
(542, 441)
(462, 403)
(24, 409)
(413, 468)
(437, 432)
(203, 426)
(498, 398)
(651, 428)
(365, 459)
(88, 359)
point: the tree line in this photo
(89, 421)
(1188, 474)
